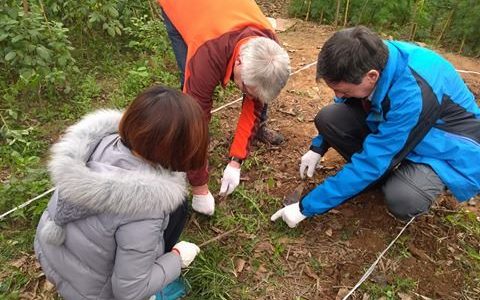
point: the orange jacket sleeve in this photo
(246, 127)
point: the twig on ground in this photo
(217, 237)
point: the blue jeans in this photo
(178, 45)
(180, 51)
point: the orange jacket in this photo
(213, 31)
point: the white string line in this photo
(239, 99)
(26, 203)
(468, 72)
(372, 267)
(304, 67)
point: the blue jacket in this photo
(421, 110)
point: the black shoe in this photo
(269, 136)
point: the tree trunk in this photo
(346, 14)
(308, 9)
(414, 23)
(434, 21)
(413, 32)
(362, 11)
(462, 44)
(26, 8)
(337, 13)
(445, 26)
(44, 15)
(154, 11)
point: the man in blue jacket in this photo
(402, 117)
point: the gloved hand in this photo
(309, 160)
(187, 252)
(204, 204)
(290, 214)
(230, 180)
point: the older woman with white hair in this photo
(215, 42)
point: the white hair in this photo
(265, 66)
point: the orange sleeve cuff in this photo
(246, 128)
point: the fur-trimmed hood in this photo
(151, 189)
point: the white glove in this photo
(187, 252)
(204, 204)
(290, 214)
(309, 160)
(230, 180)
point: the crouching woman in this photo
(110, 230)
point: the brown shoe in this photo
(269, 136)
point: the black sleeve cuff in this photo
(320, 150)
(238, 160)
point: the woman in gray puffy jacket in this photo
(111, 227)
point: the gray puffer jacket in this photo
(101, 236)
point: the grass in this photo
(400, 248)
(468, 227)
(389, 290)
(209, 277)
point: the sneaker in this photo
(269, 136)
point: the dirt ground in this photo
(348, 239)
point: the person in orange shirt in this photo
(215, 42)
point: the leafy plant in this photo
(390, 291)
(149, 35)
(35, 52)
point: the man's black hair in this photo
(349, 54)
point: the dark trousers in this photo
(178, 45)
(409, 189)
(180, 50)
(176, 223)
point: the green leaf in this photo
(12, 113)
(110, 31)
(43, 52)
(3, 36)
(26, 74)
(132, 44)
(17, 38)
(112, 11)
(10, 55)
(62, 61)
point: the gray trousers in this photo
(409, 190)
